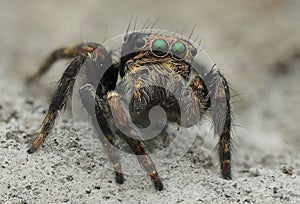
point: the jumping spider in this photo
(126, 90)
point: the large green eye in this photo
(178, 50)
(159, 47)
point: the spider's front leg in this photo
(62, 53)
(132, 137)
(220, 99)
(213, 91)
(99, 111)
(102, 111)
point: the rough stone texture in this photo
(256, 45)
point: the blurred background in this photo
(256, 45)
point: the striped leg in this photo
(58, 101)
(65, 87)
(220, 96)
(97, 109)
(131, 136)
(62, 53)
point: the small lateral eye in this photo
(194, 51)
(178, 50)
(159, 47)
(140, 42)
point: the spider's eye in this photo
(140, 42)
(194, 52)
(159, 47)
(178, 50)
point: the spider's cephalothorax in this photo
(153, 69)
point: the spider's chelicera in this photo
(121, 86)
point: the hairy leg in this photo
(220, 99)
(132, 137)
(98, 109)
(58, 101)
(65, 87)
(62, 53)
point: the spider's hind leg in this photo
(62, 53)
(65, 87)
